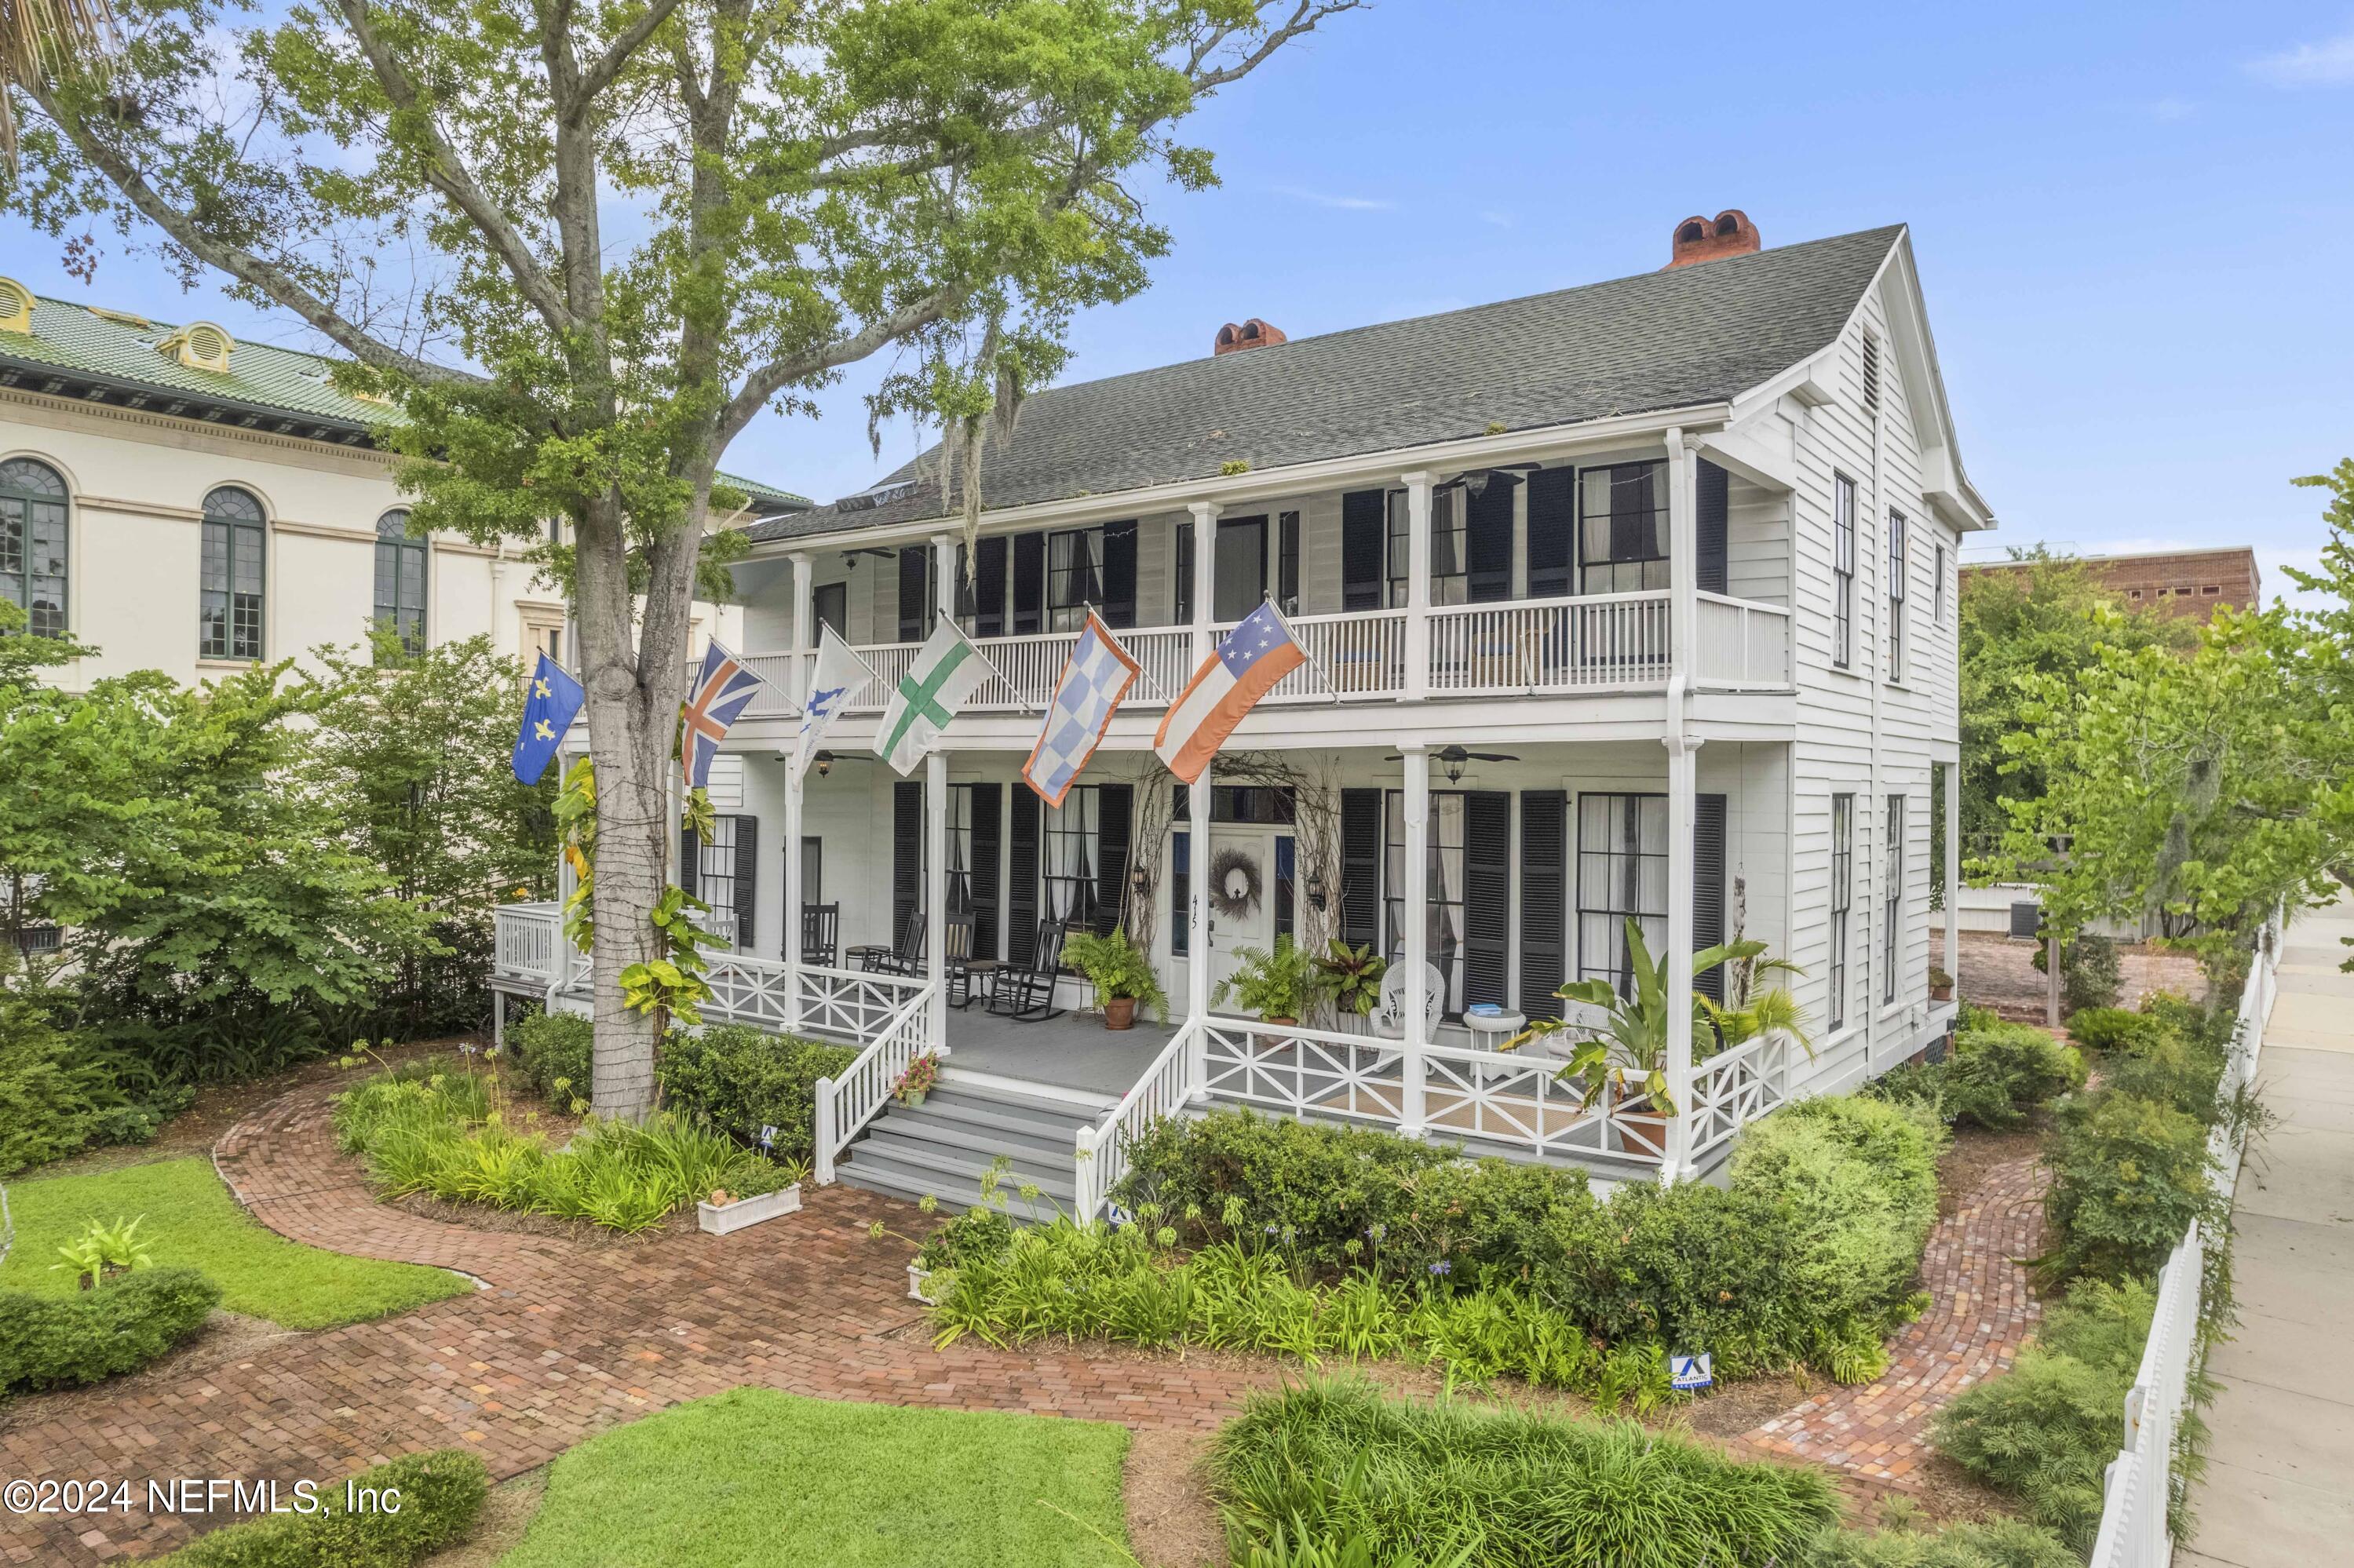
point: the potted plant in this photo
(724, 1211)
(1279, 984)
(913, 1084)
(1941, 984)
(1121, 974)
(1353, 978)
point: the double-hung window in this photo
(1072, 844)
(1622, 528)
(1899, 568)
(1843, 571)
(400, 563)
(32, 544)
(1443, 912)
(1074, 577)
(1892, 900)
(229, 600)
(714, 867)
(1622, 874)
(1843, 902)
(1448, 585)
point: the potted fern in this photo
(1279, 984)
(1121, 974)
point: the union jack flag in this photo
(722, 691)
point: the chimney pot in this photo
(1252, 333)
(1698, 239)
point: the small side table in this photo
(979, 981)
(1489, 1033)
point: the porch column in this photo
(1683, 553)
(1683, 770)
(1415, 915)
(1417, 593)
(1954, 874)
(792, 918)
(1197, 939)
(804, 580)
(936, 818)
(1205, 587)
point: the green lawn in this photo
(754, 1478)
(190, 1218)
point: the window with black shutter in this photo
(1487, 541)
(1182, 570)
(983, 815)
(914, 593)
(1021, 877)
(906, 851)
(1286, 562)
(1074, 577)
(1361, 867)
(1622, 875)
(1114, 807)
(1487, 895)
(1552, 533)
(1029, 584)
(988, 588)
(1623, 528)
(1711, 556)
(748, 876)
(1545, 900)
(1119, 574)
(690, 862)
(1445, 897)
(1363, 524)
(1708, 888)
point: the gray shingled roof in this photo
(1660, 340)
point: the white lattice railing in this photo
(847, 1104)
(2139, 1484)
(1551, 645)
(1734, 1087)
(1740, 644)
(850, 1006)
(1102, 1151)
(526, 939)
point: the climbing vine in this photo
(672, 986)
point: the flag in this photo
(723, 689)
(1244, 668)
(548, 706)
(840, 674)
(947, 671)
(1095, 678)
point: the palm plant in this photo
(1631, 1045)
(40, 37)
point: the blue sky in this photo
(2135, 224)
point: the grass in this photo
(755, 1478)
(189, 1217)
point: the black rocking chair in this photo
(905, 958)
(1029, 992)
(821, 934)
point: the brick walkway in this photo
(1980, 1310)
(568, 1341)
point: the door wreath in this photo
(1234, 884)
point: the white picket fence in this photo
(2140, 1480)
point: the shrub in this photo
(1334, 1462)
(1998, 1543)
(62, 1091)
(2089, 975)
(1856, 1180)
(2112, 1029)
(1997, 1075)
(553, 1047)
(118, 1327)
(2174, 1072)
(741, 1080)
(2128, 1175)
(2045, 1431)
(442, 1494)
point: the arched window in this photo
(229, 604)
(32, 544)
(400, 581)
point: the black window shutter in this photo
(915, 592)
(1488, 544)
(1361, 867)
(1029, 583)
(1486, 894)
(1545, 900)
(748, 872)
(1708, 887)
(1182, 569)
(1710, 555)
(690, 861)
(1364, 522)
(988, 588)
(1552, 533)
(1114, 806)
(1286, 562)
(1119, 574)
(1022, 889)
(983, 800)
(906, 851)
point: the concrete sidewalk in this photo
(2279, 1488)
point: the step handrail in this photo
(846, 1105)
(1101, 1155)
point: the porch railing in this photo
(1741, 643)
(1102, 1150)
(855, 1006)
(527, 943)
(1551, 645)
(847, 1104)
(1362, 653)
(1735, 1087)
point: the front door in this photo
(1242, 895)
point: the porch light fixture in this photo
(824, 760)
(1140, 879)
(1316, 890)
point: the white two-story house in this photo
(1630, 601)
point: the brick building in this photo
(2189, 583)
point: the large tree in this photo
(631, 226)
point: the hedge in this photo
(740, 1080)
(48, 1341)
(555, 1047)
(441, 1495)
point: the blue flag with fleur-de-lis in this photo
(548, 705)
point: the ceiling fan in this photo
(1476, 480)
(1452, 759)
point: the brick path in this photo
(568, 1341)
(1980, 1310)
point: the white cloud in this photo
(2329, 63)
(1501, 219)
(1327, 198)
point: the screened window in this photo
(229, 603)
(1623, 528)
(400, 582)
(1072, 845)
(1074, 577)
(1843, 571)
(1897, 572)
(1842, 900)
(1442, 907)
(715, 868)
(32, 544)
(1893, 901)
(1622, 871)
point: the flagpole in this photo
(1157, 694)
(1331, 691)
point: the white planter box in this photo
(721, 1218)
(916, 1280)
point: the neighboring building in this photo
(2189, 583)
(185, 503)
(1634, 601)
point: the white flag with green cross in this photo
(947, 671)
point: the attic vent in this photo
(1872, 370)
(122, 318)
(15, 306)
(199, 345)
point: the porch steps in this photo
(943, 1148)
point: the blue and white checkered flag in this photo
(1095, 678)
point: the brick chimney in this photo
(1697, 239)
(1252, 333)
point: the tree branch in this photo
(776, 375)
(600, 72)
(1304, 17)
